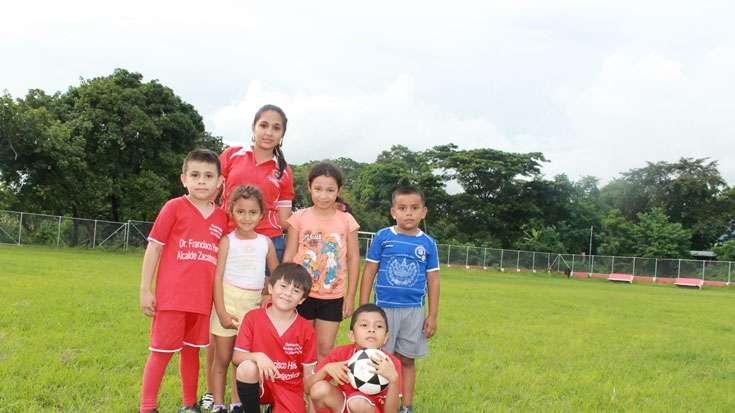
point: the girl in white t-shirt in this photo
(239, 284)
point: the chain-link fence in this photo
(23, 228)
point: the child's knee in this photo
(320, 390)
(247, 372)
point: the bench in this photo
(689, 282)
(626, 278)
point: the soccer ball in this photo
(360, 372)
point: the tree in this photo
(686, 191)
(111, 148)
(617, 235)
(655, 237)
(492, 208)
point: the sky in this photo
(598, 87)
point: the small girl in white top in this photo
(239, 284)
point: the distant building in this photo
(703, 255)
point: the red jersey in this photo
(189, 255)
(343, 353)
(290, 352)
(239, 167)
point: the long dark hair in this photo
(277, 149)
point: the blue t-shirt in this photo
(403, 261)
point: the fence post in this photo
(449, 253)
(20, 229)
(592, 265)
(655, 269)
(612, 265)
(467, 258)
(501, 260)
(58, 234)
(484, 259)
(518, 260)
(633, 267)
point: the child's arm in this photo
(292, 244)
(353, 274)
(366, 284)
(271, 261)
(432, 282)
(218, 295)
(150, 262)
(337, 370)
(386, 368)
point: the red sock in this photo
(155, 367)
(189, 371)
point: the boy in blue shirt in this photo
(406, 264)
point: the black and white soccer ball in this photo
(360, 372)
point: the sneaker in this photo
(194, 408)
(206, 401)
(268, 408)
(405, 409)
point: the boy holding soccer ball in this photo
(368, 330)
(402, 263)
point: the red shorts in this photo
(172, 330)
(286, 397)
(353, 395)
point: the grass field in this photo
(72, 339)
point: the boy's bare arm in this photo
(150, 262)
(432, 281)
(337, 370)
(366, 284)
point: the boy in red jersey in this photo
(276, 348)
(368, 329)
(182, 256)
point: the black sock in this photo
(249, 396)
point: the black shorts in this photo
(316, 308)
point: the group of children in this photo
(277, 323)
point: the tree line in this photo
(112, 147)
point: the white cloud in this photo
(359, 125)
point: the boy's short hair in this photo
(202, 155)
(369, 308)
(408, 190)
(292, 273)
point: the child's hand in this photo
(266, 369)
(228, 320)
(384, 366)
(348, 307)
(429, 327)
(338, 371)
(148, 303)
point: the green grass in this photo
(73, 339)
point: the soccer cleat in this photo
(268, 408)
(206, 401)
(219, 409)
(194, 408)
(405, 409)
(237, 409)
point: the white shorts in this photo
(238, 302)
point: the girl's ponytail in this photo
(281, 160)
